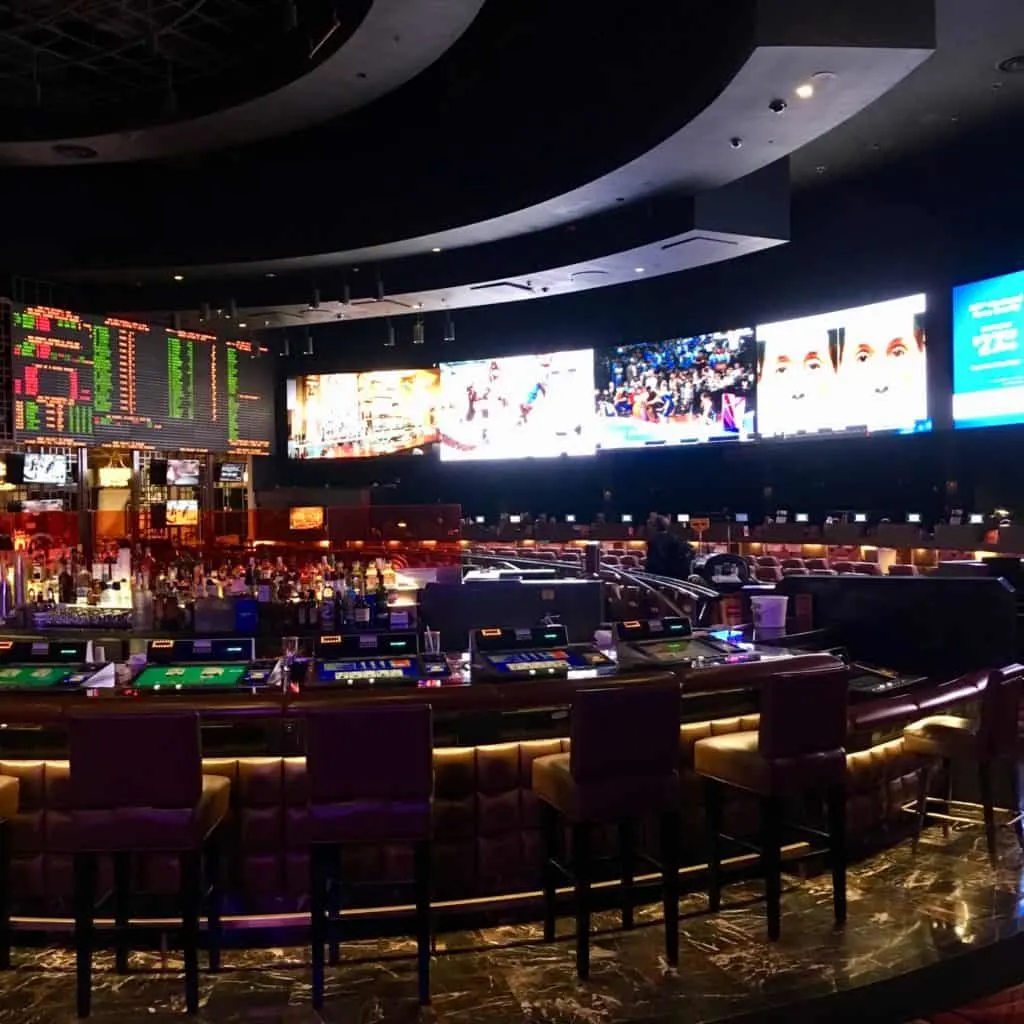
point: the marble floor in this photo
(936, 931)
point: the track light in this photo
(176, 321)
(204, 312)
(232, 313)
(346, 292)
(418, 331)
(308, 351)
(314, 299)
(286, 347)
(380, 288)
(389, 338)
(449, 326)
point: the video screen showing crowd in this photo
(681, 391)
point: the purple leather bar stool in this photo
(798, 751)
(993, 740)
(370, 773)
(137, 786)
(8, 809)
(623, 766)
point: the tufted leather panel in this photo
(486, 821)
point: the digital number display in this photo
(101, 380)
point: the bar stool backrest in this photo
(147, 760)
(803, 713)
(1000, 704)
(625, 731)
(381, 753)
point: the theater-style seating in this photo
(900, 569)
(768, 574)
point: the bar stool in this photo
(622, 766)
(137, 786)
(8, 809)
(370, 773)
(991, 741)
(796, 752)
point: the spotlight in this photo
(418, 331)
(389, 337)
(436, 248)
(639, 270)
(204, 312)
(380, 288)
(346, 293)
(805, 91)
(179, 277)
(286, 346)
(449, 326)
(176, 321)
(308, 350)
(314, 299)
(232, 313)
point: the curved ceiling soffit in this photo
(396, 41)
(702, 155)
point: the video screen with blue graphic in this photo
(988, 362)
(679, 391)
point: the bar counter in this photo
(486, 738)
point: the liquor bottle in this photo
(383, 615)
(327, 616)
(361, 611)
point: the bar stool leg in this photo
(549, 827)
(1015, 787)
(988, 806)
(627, 857)
(5, 895)
(85, 899)
(947, 773)
(669, 828)
(122, 909)
(318, 913)
(423, 887)
(714, 796)
(923, 785)
(215, 899)
(190, 865)
(332, 858)
(836, 798)
(581, 856)
(771, 860)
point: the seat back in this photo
(625, 731)
(136, 760)
(803, 713)
(372, 754)
(1000, 706)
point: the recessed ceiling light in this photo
(179, 277)
(805, 91)
(436, 248)
(639, 270)
(270, 273)
(242, 323)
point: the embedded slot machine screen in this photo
(525, 662)
(988, 358)
(372, 668)
(517, 407)
(679, 391)
(93, 379)
(855, 371)
(362, 415)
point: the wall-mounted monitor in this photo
(517, 407)
(46, 469)
(860, 371)
(229, 473)
(988, 352)
(183, 512)
(679, 391)
(305, 518)
(183, 472)
(362, 415)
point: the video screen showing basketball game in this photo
(680, 391)
(362, 415)
(518, 406)
(858, 371)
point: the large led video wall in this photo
(361, 415)
(679, 391)
(517, 406)
(988, 361)
(861, 370)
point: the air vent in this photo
(501, 284)
(1012, 65)
(698, 238)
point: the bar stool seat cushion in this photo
(941, 736)
(736, 760)
(8, 796)
(371, 821)
(156, 829)
(602, 800)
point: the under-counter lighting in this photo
(805, 90)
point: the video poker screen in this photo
(517, 407)
(680, 391)
(857, 371)
(530, 661)
(376, 668)
(362, 415)
(988, 352)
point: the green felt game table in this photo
(188, 677)
(30, 677)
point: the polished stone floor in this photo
(930, 927)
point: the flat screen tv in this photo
(182, 472)
(46, 469)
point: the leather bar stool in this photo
(8, 810)
(137, 787)
(370, 773)
(990, 742)
(797, 752)
(622, 767)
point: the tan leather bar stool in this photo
(8, 810)
(370, 773)
(622, 766)
(796, 752)
(991, 741)
(137, 786)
